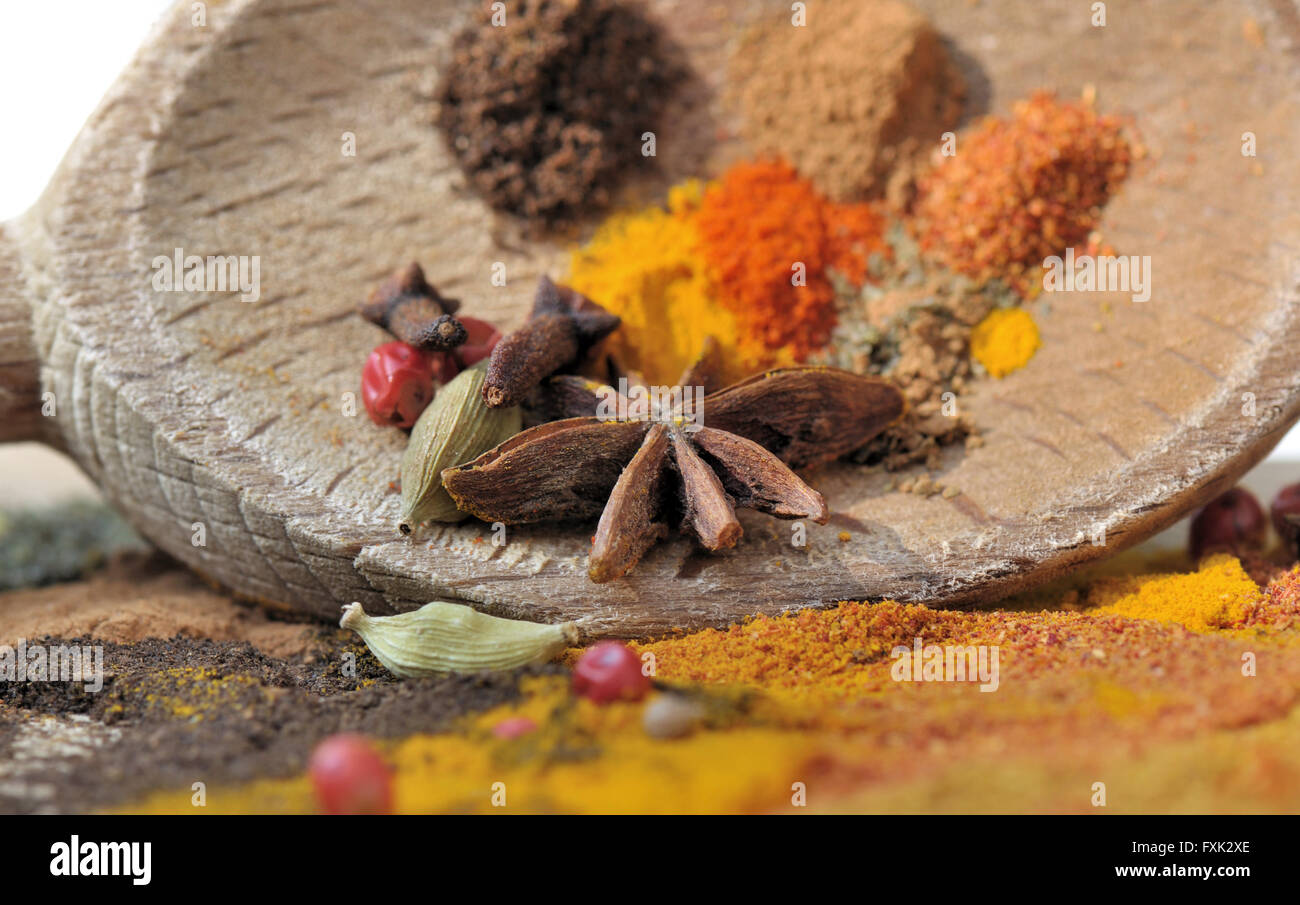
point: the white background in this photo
(56, 61)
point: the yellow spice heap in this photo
(647, 267)
(1005, 341)
(1218, 597)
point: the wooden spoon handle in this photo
(20, 376)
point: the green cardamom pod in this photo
(443, 637)
(456, 427)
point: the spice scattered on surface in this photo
(1005, 341)
(1022, 188)
(846, 650)
(174, 707)
(813, 694)
(853, 98)
(1219, 596)
(809, 652)
(545, 114)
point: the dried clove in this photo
(409, 308)
(563, 326)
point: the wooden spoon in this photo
(220, 427)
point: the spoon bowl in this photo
(225, 423)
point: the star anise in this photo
(669, 466)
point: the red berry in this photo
(514, 727)
(443, 366)
(483, 337)
(610, 671)
(1233, 522)
(350, 777)
(396, 384)
(1285, 510)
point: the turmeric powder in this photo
(748, 259)
(1005, 341)
(648, 268)
(1218, 597)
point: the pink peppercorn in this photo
(396, 384)
(350, 777)
(482, 338)
(514, 727)
(610, 671)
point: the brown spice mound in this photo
(854, 99)
(933, 359)
(913, 324)
(140, 596)
(545, 113)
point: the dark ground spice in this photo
(181, 711)
(545, 114)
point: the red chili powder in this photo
(1023, 188)
(757, 224)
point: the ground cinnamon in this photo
(853, 98)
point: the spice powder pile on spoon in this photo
(889, 307)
